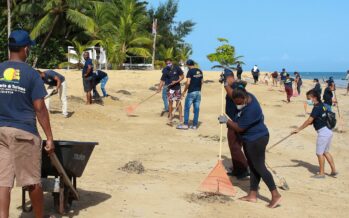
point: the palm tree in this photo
(184, 53)
(131, 37)
(55, 10)
(79, 49)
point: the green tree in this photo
(171, 33)
(225, 55)
(58, 12)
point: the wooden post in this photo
(8, 22)
(155, 23)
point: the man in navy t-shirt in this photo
(193, 86)
(87, 77)
(283, 75)
(56, 84)
(102, 78)
(173, 77)
(166, 70)
(22, 95)
(328, 96)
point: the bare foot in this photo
(249, 199)
(275, 201)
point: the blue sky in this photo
(302, 35)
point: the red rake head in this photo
(218, 182)
(130, 109)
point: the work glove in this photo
(223, 119)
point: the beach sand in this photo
(176, 161)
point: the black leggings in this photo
(255, 78)
(255, 154)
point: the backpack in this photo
(330, 119)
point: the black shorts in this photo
(87, 82)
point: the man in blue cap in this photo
(22, 95)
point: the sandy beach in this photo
(177, 161)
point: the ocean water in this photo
(337, 76)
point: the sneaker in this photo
(182, 126)
(65, 115)
(193, 127)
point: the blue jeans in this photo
(164, 97)
(103, 84)
(195, 99)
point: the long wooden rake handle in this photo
(144, 100)
(221, 135)
(277, 143)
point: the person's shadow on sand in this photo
(244, 184)
(87, 199)
(310, 167)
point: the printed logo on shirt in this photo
(10, 81)
(11, 75)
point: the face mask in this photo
(240, 107)
(310, 102)
(169, 65)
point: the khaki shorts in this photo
(20, 158)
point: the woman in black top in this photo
(318, 119)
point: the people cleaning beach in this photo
(328, 96)
(56, 84)
(255, 74)
(249, 123)
(193, 86)
(288, 83)
(87, 77)
(318, 118)
(22, 94)
(173, 76)
(239, 161)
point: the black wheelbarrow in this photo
(60, 170)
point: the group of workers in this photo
(24, 100)
(170, 85)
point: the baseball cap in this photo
(190, 62)
(20, 38)
(227, 72)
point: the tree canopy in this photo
(121, 27)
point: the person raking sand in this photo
(249, 123)
(318, 118)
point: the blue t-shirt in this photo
(49, 78)
(20, 85)
(99, 75)
(328, 95)
(172, 74)
(166, 70)
(251, 119)
(318, 88)
(84, 70)
(196, 77)
(319, 115)
(283, 76)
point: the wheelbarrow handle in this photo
(61, 171)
